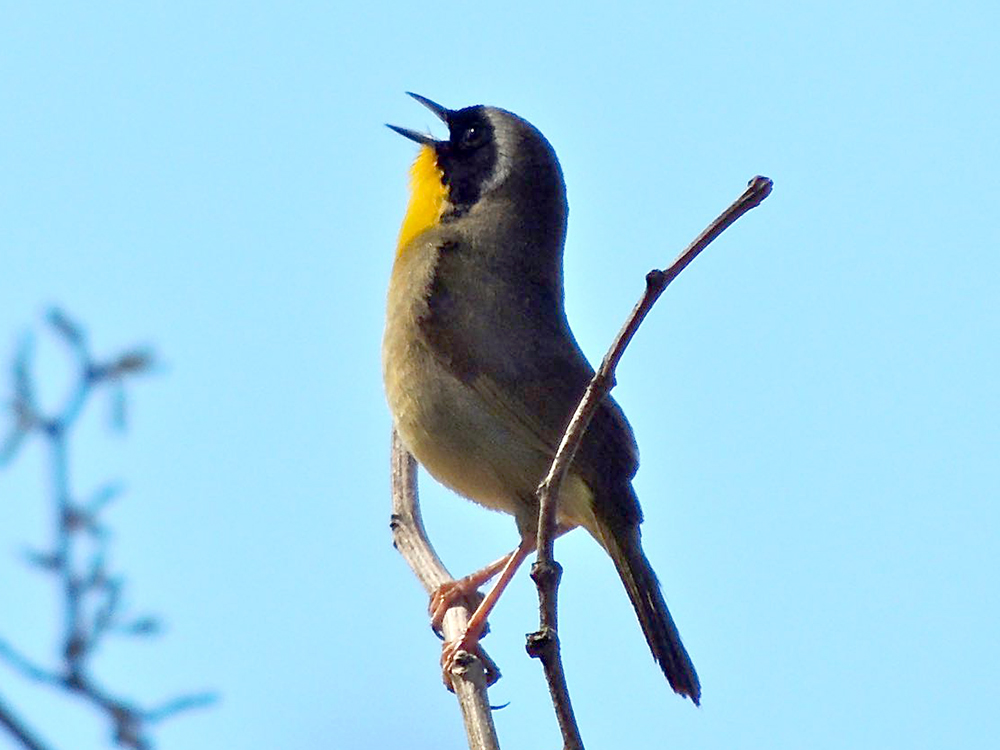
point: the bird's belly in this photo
(462, 444)
(449, 430)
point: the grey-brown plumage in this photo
(482, 371)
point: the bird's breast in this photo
(444, 424)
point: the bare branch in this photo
(545, 643)
(91, 594)
(469, 677)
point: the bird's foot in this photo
(447, 595)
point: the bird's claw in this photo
(457, 657)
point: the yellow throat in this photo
(427, 197)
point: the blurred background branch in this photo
(90, 593)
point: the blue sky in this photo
(815, 399)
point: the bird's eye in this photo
(472, 137)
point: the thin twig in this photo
(18, 729)
(545, 643)
(21, 663)
(469, 677)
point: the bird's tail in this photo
(657, 624)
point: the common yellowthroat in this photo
(482, 372)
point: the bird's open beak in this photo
(443, 113)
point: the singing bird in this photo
(482, 372)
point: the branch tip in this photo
(601, 384)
